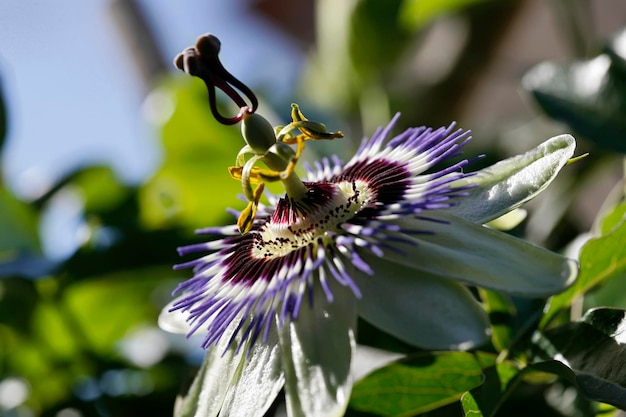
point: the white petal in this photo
(175, 321)
(317, 352)
(367, 359)
(509, 220)
(207, 393)
(478, 255)
(421, 309)
(508, 184)
(260, 381)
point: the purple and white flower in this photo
(389, 236)
(394, 236)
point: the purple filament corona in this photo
(264, 277)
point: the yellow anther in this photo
(296, 114)
(310, 129)
(246, 218)
(316, 130)
(237, 174)
(270, 147)
(257, 175)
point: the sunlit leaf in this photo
(29, 359)
(106, 308)
(354, 60)
(193, 186)
(100, 188)
(18, 223)
(611, 292)
(53, 331)
(613, 219)
(416, 13)
(601, 259)
(470, 407)
(376, 40)
(589, 353)
(98, 185)
(20, 255)
(417, 385)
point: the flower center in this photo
(297, 223)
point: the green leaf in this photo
(601, 259)
(418, 384)
(613, 219)
(20, 254)
(32, 361)
(501, 313)
(590, 353)
(107, 307)
(499, 381)
(100, 188)
(18, 223)
(611, 292)
(416, 13)
(376, 41)
(53, 332)
(587, 95)
(508, 184)
(470, 407)
(193, 186)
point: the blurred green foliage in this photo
(587, 95)
(416, 13)
(80, 332)
(66, 325)
(197, 151)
